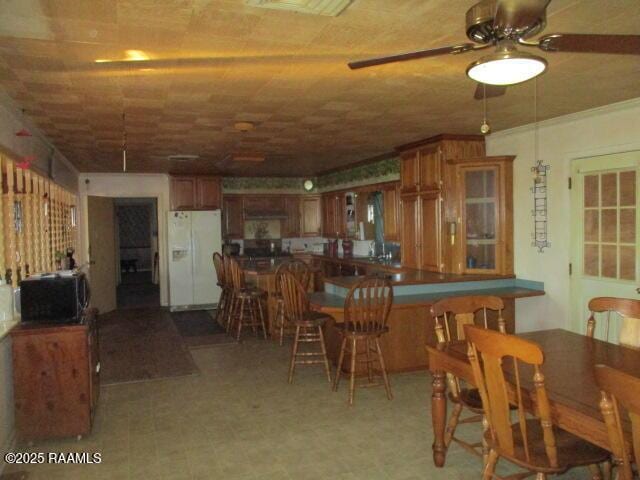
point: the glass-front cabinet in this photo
(483, 231)
(479, 216)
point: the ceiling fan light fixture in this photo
(506, 67)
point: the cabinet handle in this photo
(98, 367)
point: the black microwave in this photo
(54, 298)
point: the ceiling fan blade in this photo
(403, 57)
(517, 17)
(591, 43)
(489, 90)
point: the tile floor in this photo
(239, 419)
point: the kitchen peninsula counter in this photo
(411, 325)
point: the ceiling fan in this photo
(506, 25)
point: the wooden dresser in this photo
(56, 376)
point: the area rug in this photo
(141, 344)
(198, 328)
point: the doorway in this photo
(605, 234)
(136, 224)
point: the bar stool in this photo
(366, 310)
(247, 309)
(218, 264)
(308, 325)
(301, 271)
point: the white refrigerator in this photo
(193, 237)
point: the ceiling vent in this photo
(331, 8)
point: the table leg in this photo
(439, 416)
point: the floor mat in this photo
(141, 344)
(198, 328)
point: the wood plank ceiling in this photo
(284, 71)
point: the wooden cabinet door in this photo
(341, 215)
(430, 169)
(292, 222)
(183, 193)
(410, 172)
(209, 193)
(391, 214)
(329, 216)
(311, 216)
(410, 231)
(233, 217)
(430, 234)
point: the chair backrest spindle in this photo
(628, 309)
(462, 311)
(218, 265)
(294, 296)
(237, 275)
(367, 305)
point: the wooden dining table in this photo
(569, 379)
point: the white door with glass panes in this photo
(604, 240)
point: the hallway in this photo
(137, 291)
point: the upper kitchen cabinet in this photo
(183, 193)
(291, 224)
(264, 207)
(456, 206)
(480, 219)
(233, 217)
(311, 213)
(196, 193)
(391, 212)
(421, 168)
(208, 193)
(330, 207)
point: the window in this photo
(610, 225)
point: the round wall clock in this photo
(308, 185)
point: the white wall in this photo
(611, 129)
(130, 185)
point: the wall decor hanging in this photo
(540, 171)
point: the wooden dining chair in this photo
(532, 443)
(629, 312)
(366, 311)
(218, 265)
(247, 310)
(620, 391)
(450, 315)
(308, 325)
(302, 272)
